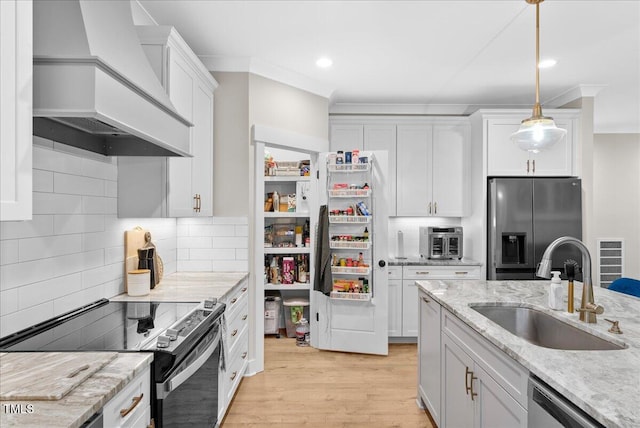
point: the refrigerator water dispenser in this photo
(513, 248)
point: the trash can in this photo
(272, 306)
(294, 310)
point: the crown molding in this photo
(580, 91)
(265, 69)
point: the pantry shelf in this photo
(340, 295)
(287, 250)
(349, 219)
(282, 287)
(349, 167)
(285, 214)
(287, 178)
(349, 193)
(353, 270)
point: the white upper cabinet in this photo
(504, 158)
(432, 177)
(346, 137)
(174, 186)
(383, 137)
(15, 109)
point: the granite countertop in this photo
(82, 402)
(419, 261)
(604, 384)
(189, 287)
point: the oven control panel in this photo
(182, 328)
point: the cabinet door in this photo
(346, 137)
(494, 407)
(15, 110)
(457, 406)
(448, 169)
(414, 170)
(383, 137)
(395, 307)
(557, 161)
(409, 308)
(189, 177)
(504, 158)
(429, 354)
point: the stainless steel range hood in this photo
(93, 86)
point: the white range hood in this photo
(93, 86)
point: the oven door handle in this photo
(165, 388)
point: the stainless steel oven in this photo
(185, 339)
(441, 242)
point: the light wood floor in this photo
(305, 386)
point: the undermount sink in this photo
(542, 329)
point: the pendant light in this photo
(537, 132)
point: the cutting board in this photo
(47, 375)
(133, 239)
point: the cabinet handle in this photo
(468, 382)
(234, 332)
(426, 300)
(152, 424)
(462, 273)
(429, 207)
(527, 166)
(422, 273)
(244, 317)
(534, 165)
(197, 203)
(435, 208)
(233, 375)
(244, 355)
(235, 299)
(244, 289)
(134, 403)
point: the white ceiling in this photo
(457, 55)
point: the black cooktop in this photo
(101, 326)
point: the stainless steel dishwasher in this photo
(549, 409)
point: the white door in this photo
(495, 408)
(352, 325)
(448, 169)
(395, 307)
(556, 161)
(346, 137)
(457, 408)
(503, 157)
(414, 143)
(409, 308)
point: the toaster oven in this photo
(441, 242)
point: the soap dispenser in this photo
(555, 292)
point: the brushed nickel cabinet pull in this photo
(244, 355)
(235, 299)
(527, 166)
(233, 375)
(244, 289)
(422, 273)
(426, 300)
(435, 208)
(468, 382)
(134, 403)
(429, 207)
(462, 272)
(234, 332)
(534, 166)
(244, 317)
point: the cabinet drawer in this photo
(506, 372)
(235, 298)
(395, 272)
(441, 272)
(237, 324)
(236, 366)
(125, 399)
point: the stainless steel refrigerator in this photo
(524, 216)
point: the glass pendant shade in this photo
(536, 134)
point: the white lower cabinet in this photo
(403, 293)
(235, 337)
(131, 406)
(429, 353)
(477, 385)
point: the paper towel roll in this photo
(400, 245)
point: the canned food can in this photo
(347, 157)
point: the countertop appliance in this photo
(548, 409)
(524, 216)
(440, 242)
(184, 337)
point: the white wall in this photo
(72, 252)
(616, 194)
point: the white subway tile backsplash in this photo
(102, 274)
(195, 266)
(230, 266)
(242, 254)
(49, 246)
(9, 251)
(77, 185)
(113, 255)
(182, 229)
(39, 225)
(94, 205)
(105, 169)
(196, 220)
(183, 253)
(212, 254)
(54, 203)
(19, 274)
(226, 242)
(41, 292)
(195, 242)
(111, 189)
(230, 220)
(42, 181)
(64, 224)
(9, 301)
(18, 320)
(51, 160)
(242, 230)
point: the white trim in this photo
(270, 71)
(399, 109)
(580, 91)
(288, 140)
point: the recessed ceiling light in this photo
(324, 62)
(547, 63)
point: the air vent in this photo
(610, 260)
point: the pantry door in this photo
(353, 325)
